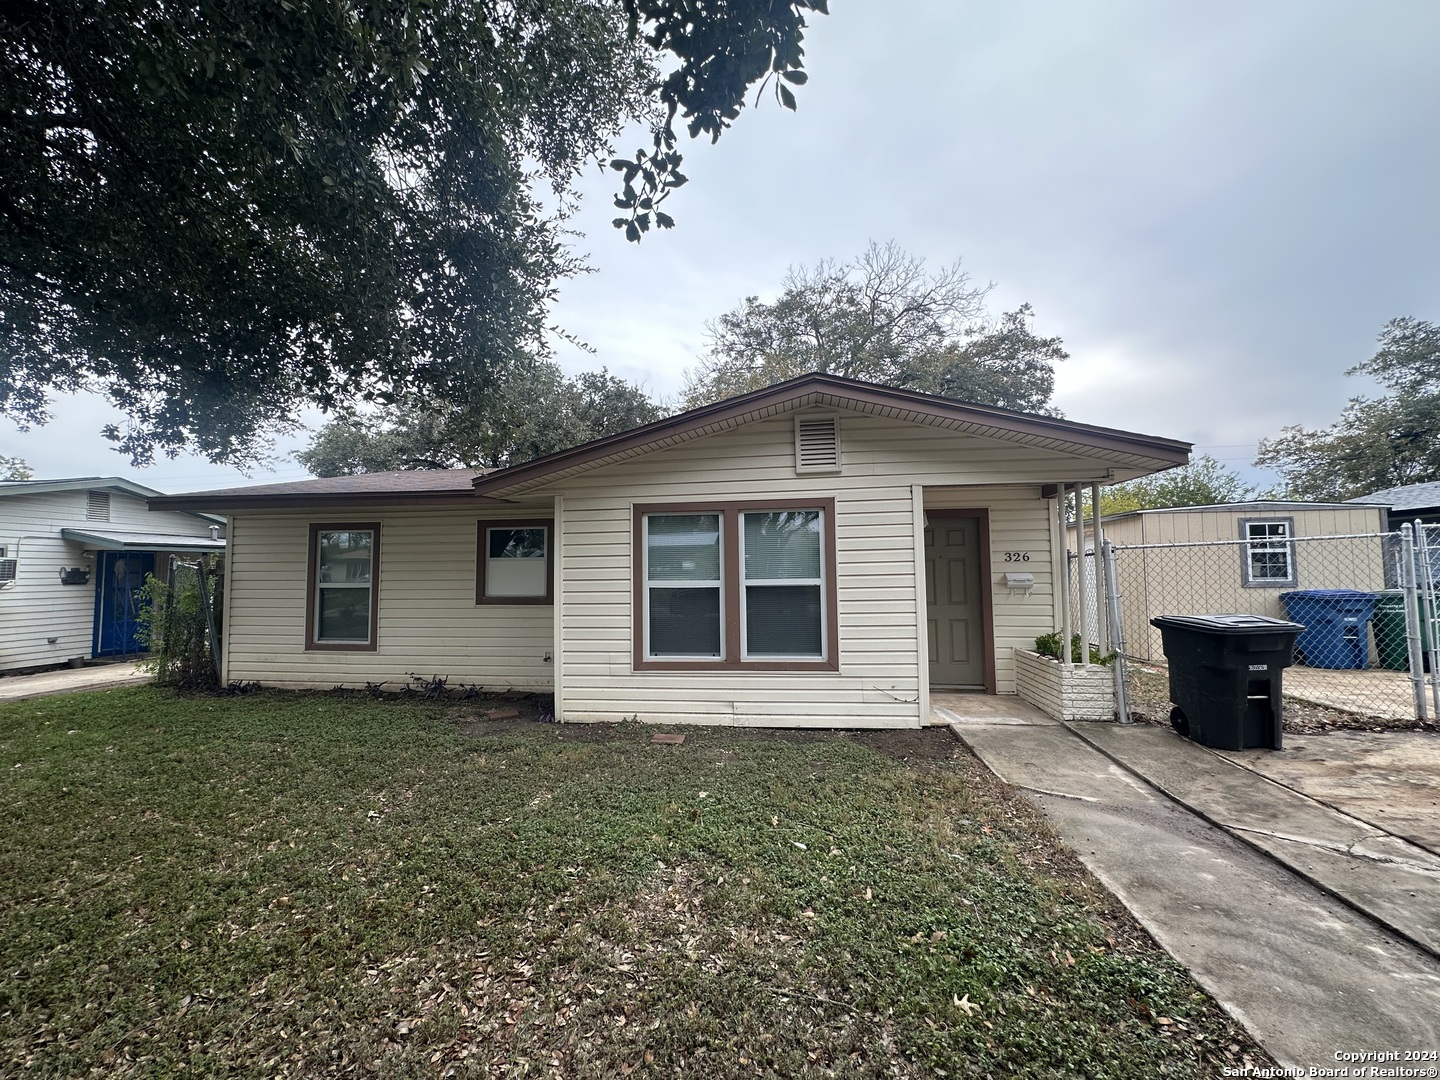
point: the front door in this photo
(118, 600)
(953, 602)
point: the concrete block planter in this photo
(1066, 692)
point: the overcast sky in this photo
(1216, 205)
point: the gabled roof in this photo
(1125, 450)
(1408, 497)
(89, 483)
(414, 486)
(77, 483)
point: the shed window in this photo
(514, 563)
(736, 586)
(343, 576)
(1269, 555)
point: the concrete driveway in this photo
(1389, 779)
(71, 680)
(1316, 929)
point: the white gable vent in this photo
(817, 443)
(97, 506)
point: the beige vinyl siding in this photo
(429, 623)
(878, 684)
(37, 607)
(1200, 580)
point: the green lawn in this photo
(322, 884)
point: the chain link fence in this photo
(1366, 600)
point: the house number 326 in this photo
(1017, 556)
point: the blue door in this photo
(118, 600)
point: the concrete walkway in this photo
(1307, 974)
(71, 680)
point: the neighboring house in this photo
(1413, 502)
(818, 553)
(1247, 576)
(73, 556)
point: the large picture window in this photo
(343, 572)
(514, 563)
(736, 586)
(1268, 554)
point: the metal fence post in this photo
(1426, 587)
(1117, 634)
(211, 635)
(1412, 619)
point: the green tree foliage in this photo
(533, 411)
(1204, 482)
(883, 318)
(1377, 443)
(218, 213)
(14, 468)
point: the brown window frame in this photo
(730, 585)
(312, 588)
(482, 583)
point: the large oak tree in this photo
(883, 317)
(219, 212)
(1377, 443)
(529, 411)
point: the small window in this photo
(1268, 554)
(344, 561)
(97, 506)
(514, 563)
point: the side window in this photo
(342, 612)
(514, 563)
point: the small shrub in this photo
(1049, 645)
(173, 628)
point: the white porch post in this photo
(922, 644)
(1082, 578)
(1065, 621)
(557, 650)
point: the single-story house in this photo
(74, 555)
(818, 553)
(1237, 557)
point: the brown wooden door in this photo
(955, 614)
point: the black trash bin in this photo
(1225, 673)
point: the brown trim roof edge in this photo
(1114, 439)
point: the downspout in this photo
(922, 645)
(557, 649)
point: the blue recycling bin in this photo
(1334, 621)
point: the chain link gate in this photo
(1371, 647)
